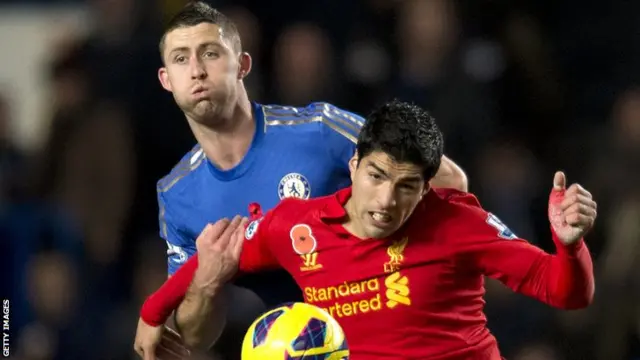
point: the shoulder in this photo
(318, 116)
(184, 169)
(301, 207)
(310, 111)
(458, 217)
(456, 197)
(450, 214)
(458, 206)
(291, 211)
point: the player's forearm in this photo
(159, 306)
(575, 284)
(564, 280)
(450, 175)
(200, 318)
(200, 315)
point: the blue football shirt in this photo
(296, 152)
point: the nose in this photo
(198, 71)
(386, 197)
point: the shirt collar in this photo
(334, 209)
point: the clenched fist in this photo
(572, 211)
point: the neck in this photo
(226, 143)
(351, 223)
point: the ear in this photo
(427, 187)
(353, 165)
(163, 76)
(244, 65)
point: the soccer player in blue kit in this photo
(246, 153)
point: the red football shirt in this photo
(416, 295)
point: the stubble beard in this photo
(204, 112)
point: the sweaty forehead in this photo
(194, 36)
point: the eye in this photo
(407, 187)
(180, 59)
(375, 176)
(211, 55)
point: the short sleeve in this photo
(257, 251)
(179, 247)
(340, 132)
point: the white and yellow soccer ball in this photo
(295, 331)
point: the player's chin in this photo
(380, 231)
(205, 110)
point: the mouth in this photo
(198, 90)
(380, 219)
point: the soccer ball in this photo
(295, 331)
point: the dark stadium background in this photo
(521, 88)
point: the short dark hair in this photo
(198, 12)
(405, 132)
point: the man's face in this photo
(384, 193)
(202, 70)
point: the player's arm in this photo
(563, 280)
(200, 317)
(152, 337)
(195, 289)
(180, 247)
(450, 175)
(340, 133)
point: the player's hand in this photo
(158, 343)
(572, 211)
(219, 246)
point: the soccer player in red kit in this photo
(399, 265)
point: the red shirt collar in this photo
(334, 209)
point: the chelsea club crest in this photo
(294, 185)
(252, 229)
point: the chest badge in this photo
(294, 185)
(396, 255)
(304, 244)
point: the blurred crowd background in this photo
(520, 88)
